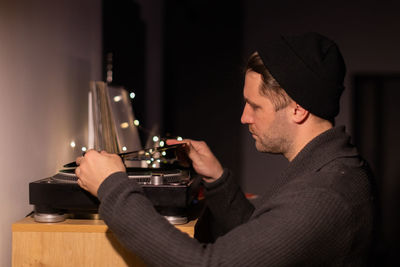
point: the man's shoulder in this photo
(348, 172)
(348, 178)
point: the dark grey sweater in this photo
(319, 213)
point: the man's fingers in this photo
(172, 142)
(104, 153)
(192, 147)
(87, 154)
(78, 171)
(80, 183)
(78, 160)
(199, 146)
(193, 153)
(175, 142)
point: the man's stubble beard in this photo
(271, 145)
(276, 140)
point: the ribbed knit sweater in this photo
(319, 213)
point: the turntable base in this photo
(60, 217)
(172, 192)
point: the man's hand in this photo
(95, 167)
(203, 160)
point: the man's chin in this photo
(263, 149)
(259, 147)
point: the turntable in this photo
(172, 192)
(112, 127)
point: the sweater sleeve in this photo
(300, 226)
(226, 207)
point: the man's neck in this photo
(305, 133)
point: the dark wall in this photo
(377, 126)
(202, 74)
(124, 49)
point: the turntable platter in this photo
(141, 175)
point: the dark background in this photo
(184, 60)
(201, 69)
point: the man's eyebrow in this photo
(246, 100)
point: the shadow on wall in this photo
(377, 124)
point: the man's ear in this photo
(298, 113)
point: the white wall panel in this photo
(49, 51)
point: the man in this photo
(319, 213)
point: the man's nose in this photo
(246, 116)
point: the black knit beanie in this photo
(310, 68)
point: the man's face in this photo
(269, 128)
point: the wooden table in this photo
(71, 243)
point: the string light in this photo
(155, 138)
(136, 122)
(117, 98)
(72, 144)
(162, 143)
(132, 95)
(84, 149)
(124, 148)
(109, 76)
(124, 125)
(179, 138)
